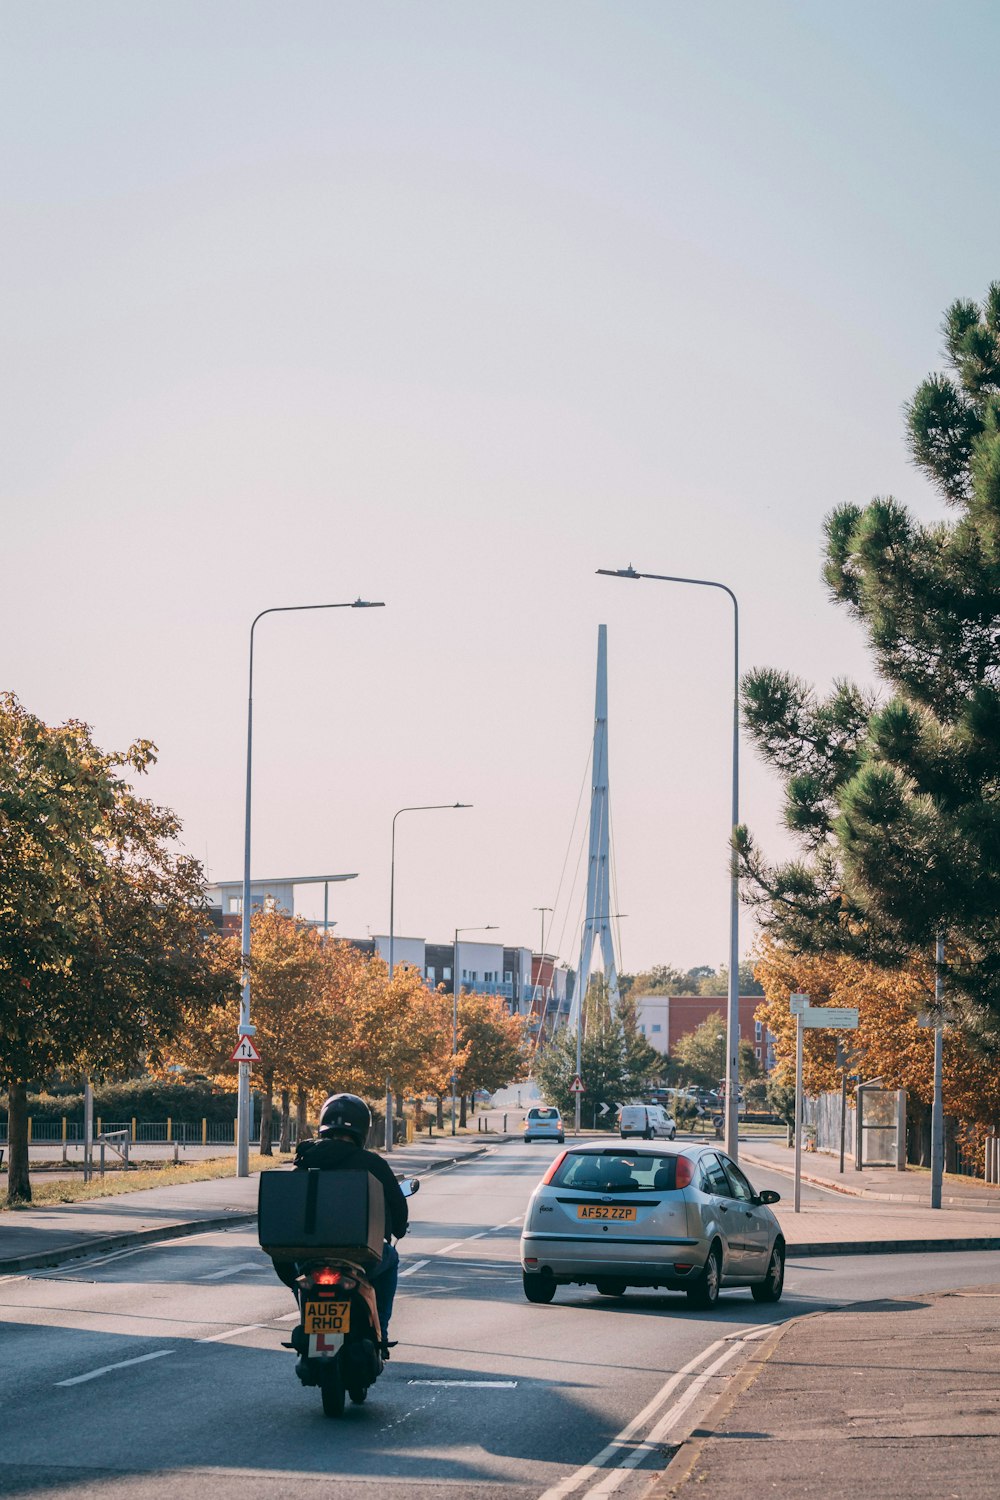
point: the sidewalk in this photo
(35, 1237)
(883, 1398)
(841, 1223)
(878, 1184)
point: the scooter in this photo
(337, 1336)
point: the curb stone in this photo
(46, 1259)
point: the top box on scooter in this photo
(305, 1215)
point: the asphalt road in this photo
(486, 1398)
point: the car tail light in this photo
(326, 1276)
(682, 1267)
(531, 1260)
(554, 1167)
(685, 1171)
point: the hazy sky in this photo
(448, 305)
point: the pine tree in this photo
(895, 797)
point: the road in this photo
(530, 1395)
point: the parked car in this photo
(543, 1122)
(684, 1218)
(647, 1121)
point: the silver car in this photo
(684, 1218)
(543, 1122)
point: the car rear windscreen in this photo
(616, 1172)
(543, 1114)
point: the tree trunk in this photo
(301, 1115)
(284, 1144)
(463, 1118)
(266, 1111)
(18, 1180)
(440, 1112)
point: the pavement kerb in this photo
(104, 1244)
(820, 1182)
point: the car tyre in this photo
(560, 1140)
(527, 1140)
(770, 1289)
(704, 1294)
(538, 1288)
(673, 1133)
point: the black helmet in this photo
(347, 1113)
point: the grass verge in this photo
(67, 1190)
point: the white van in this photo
(648, 1121)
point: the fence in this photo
(50, 1132)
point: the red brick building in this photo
(664, 1019)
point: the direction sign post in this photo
(814, 1018)
(799, 1018)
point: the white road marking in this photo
(247, 1265)
(649, 1446)
(482, 1385)
(614, 1449)
(456, 1245)
(286, 1317)
(121, 1365)
(417, 1265)
(232, 1333)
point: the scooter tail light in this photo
(685, 1171)
(326, 1276)
(554, 1168)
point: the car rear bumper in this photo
(646, 1262)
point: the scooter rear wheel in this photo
(332, 1391)
(358, 1394)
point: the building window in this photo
(430, 973)
(656, 1026)
(758, 1030)
(508, 977)
(446, 973)
(236, 903)
(643, 1030)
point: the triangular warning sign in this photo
(576, 1087)
(245, 1051)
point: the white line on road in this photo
(417, 1265)
(648, 1447)
(615, 1448)
(481, 1385)
(121, 1365)
(247, 1265)
(455, 1245)
(231, 1333)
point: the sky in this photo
(448, 305)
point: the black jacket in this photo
(344, 1156)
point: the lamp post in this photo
(541, 959)
(489, 927)
(733, 1008)
(246, 1029)
(423, 807)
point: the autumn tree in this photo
(699, 1058)
(103, 946)
(889, 1039)
(496, 1045)
(895, 800)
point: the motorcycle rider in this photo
(344, 1123)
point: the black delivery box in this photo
(302, 1215)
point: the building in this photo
(664, 1019)
(484, 968)
(226, 896)
(551, 991)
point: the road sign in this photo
(576, 1087)
(603, 1111)
(798, 1004)
(245, 1051)
(843, 1016)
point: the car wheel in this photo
(611, 1287)
(538, 1288)
(770, 1289)
(527, 1140)
(705, 1292)
(673, 1133)
(560, 1140)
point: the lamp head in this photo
(368, 604)
(628, 572)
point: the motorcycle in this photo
(336, 1334)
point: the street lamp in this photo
(541, 959)
(733, 1008)
(489, 927)
(246, 1029)
(424, 807)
